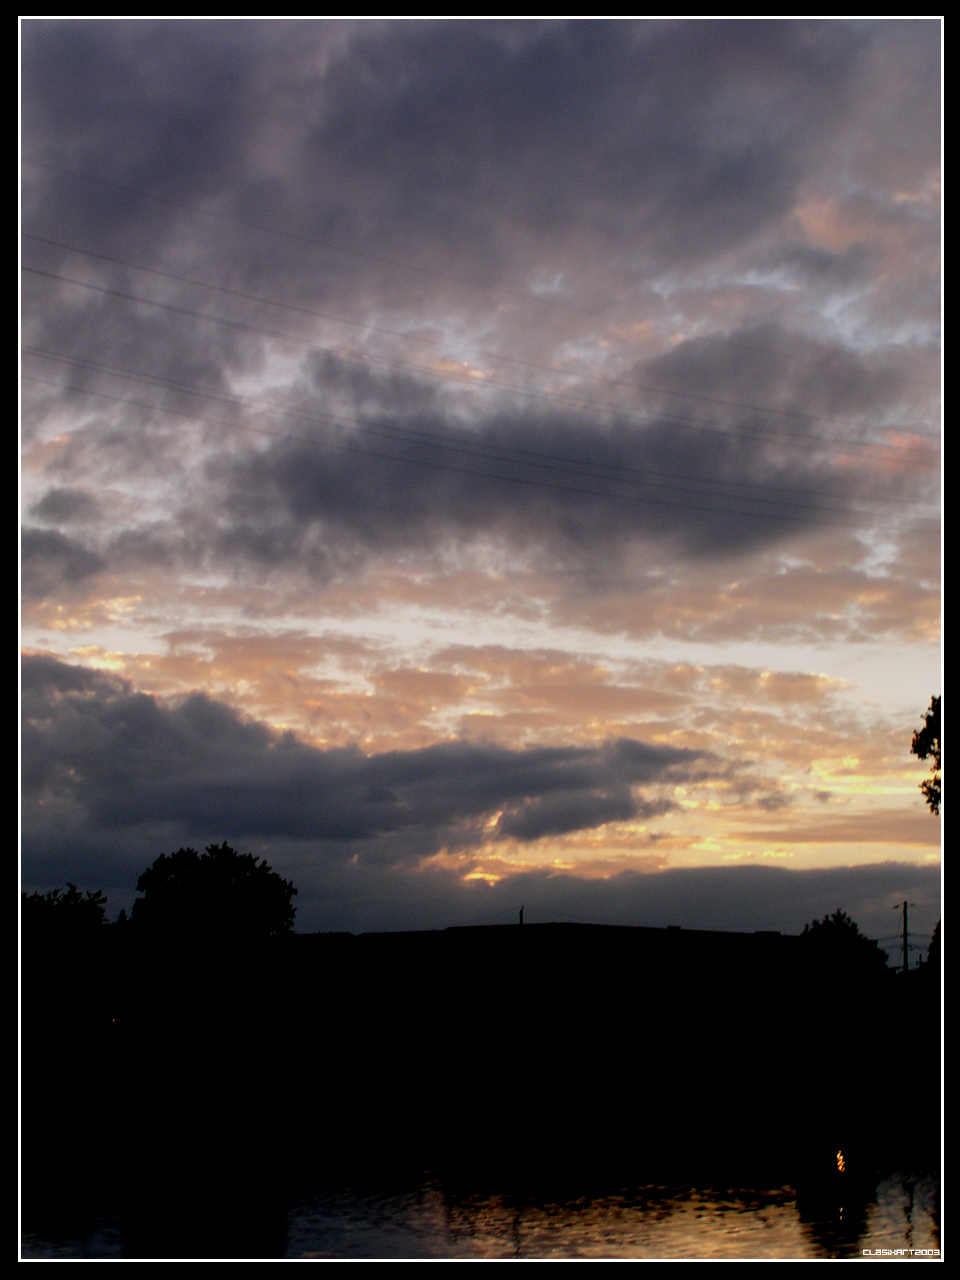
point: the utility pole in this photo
(906, 953)
(905, 965)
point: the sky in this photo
(483, 464)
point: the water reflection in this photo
(435, 1220)
(432, 1217)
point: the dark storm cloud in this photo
(341, 893)
(177, 102)
(688, 136)
(362, 896)
(479, 154)
(636, 124)
(739, 898)
(715, 480)
(53, 564)
(533, 478)
(66, 506)
(710, 477)
(534, 205)
(796, 387)
(122, 760)
(112, 778)
(813, 266)
(557, 815)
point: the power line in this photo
(539, 483)
(423, 339)
(286, 335)
(616, 472)
(717, 401)
(365, 255)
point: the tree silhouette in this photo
(933, 950)
(63, 912)
(838, 939)
(926, 742)
(220, 893)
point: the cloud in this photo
(893, 826)
(53, 564)
(124, 759)
(528, 479)
(692, 136)
(67, 506)
(825, 591)
(785, 384)
(618, 339)
(738, 898)
(424, 183)
(424, 168)
(112, 777)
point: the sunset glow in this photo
(474, 464)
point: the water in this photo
(427, 1218)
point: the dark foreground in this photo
(431, 1216)
(189, 1095)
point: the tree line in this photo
(219, 892)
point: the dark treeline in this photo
(192, 1064)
